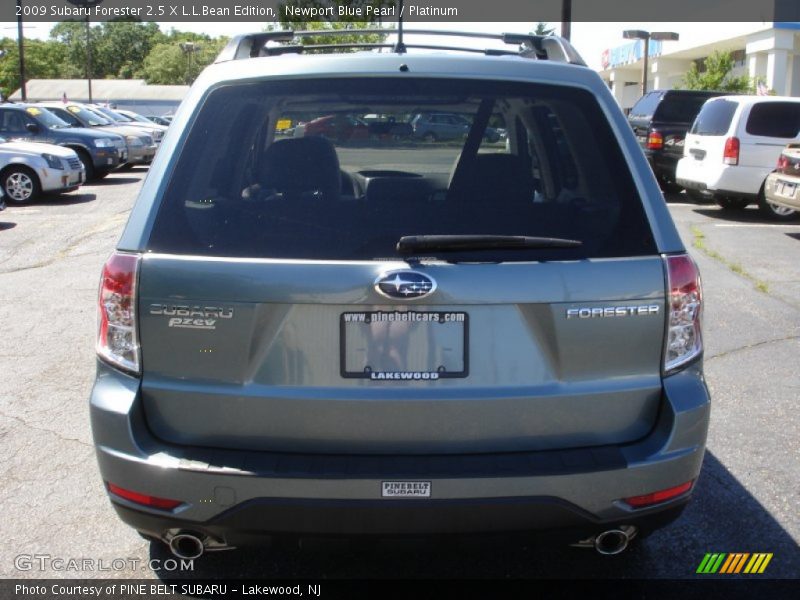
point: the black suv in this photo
(660, 120)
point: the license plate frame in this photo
(785, 189)
(413, 317)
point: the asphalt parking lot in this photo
(747, 500)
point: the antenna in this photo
(400, 46)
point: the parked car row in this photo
(54, 147)
(722, 147)
(424, 126)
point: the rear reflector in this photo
(730, 156)
(684, 340)
(655, 141)
(117, 338)
(658, 497)
(143, 499)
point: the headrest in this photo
(302, 165)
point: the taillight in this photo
(655, 141)
(730, 155)
(685, 303)
(783, 163)
(117, 338)
(659, 496)
(144, 499)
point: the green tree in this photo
(181, 59)
(71, 35)
(122, 46)
(42, 61)
(542, 29)
(119, 47)
(716, 75)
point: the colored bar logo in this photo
(734, 562)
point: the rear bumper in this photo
(250, 521)
(720, 179)
(142, 155)
(234, 495)
(779, 195)
(662, 163)
(53, 180)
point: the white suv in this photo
(734, 144)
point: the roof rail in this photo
(539, 47)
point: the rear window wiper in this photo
(410, 244)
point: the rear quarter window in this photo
(774, 119)
(646, 105)
(714, 118)
(301, 170)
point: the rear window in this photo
(714, 118)
(305, 170)
(774, 119)
(646, 105)
(680, 108)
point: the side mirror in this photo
(32, 127)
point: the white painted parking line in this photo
(770, 225)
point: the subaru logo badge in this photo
(406, 285)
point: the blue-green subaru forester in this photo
(344, 330)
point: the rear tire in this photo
(20, 185)
(669, 186)
(775, 212)
(732, 203)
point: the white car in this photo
(28, 169)
(734, 144)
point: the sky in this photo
(590, 39)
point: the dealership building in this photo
(767, 52)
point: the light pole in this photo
(646, 36)
(566, 19)
(21, 45)
(87, 4)
(190, 49)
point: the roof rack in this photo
(538, 47)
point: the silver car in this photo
(782, 187)
(313, 336)
(155, 130)
(141, 147)
(28, 169)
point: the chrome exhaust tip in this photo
(613, 541)
(186, 545)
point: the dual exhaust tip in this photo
(610, 542)
(613, 541)
(189, 545)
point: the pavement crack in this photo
(753, 345)
(45, 430)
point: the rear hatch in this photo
(278, 312)
(705, 142)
